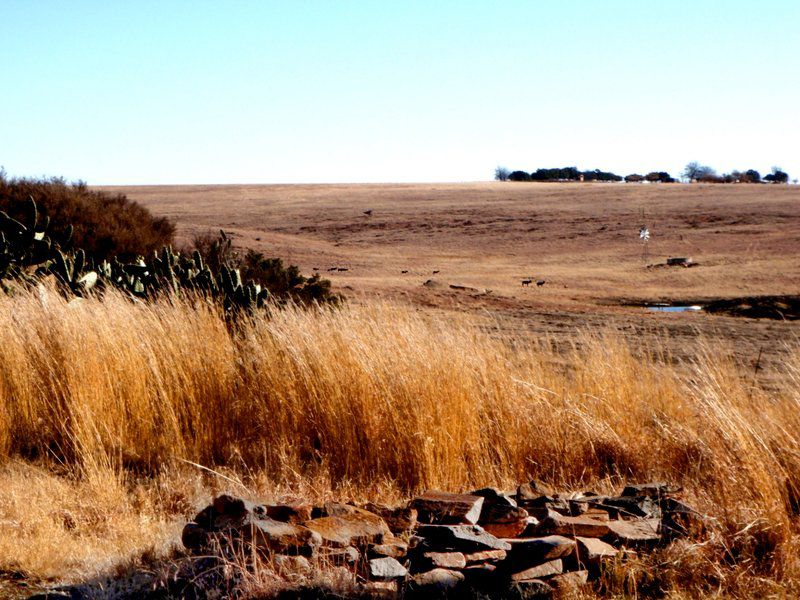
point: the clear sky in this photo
(344, 91)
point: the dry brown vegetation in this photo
(103, 402)
(581, 238)
(118, 420)
(104, 225)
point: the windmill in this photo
(644, 235)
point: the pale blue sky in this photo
(324, 91)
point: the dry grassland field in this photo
(581, 239)
(120, 420)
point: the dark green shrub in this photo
(284, 282)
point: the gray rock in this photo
(437, 580)
(460, 538)
(386, 568)
(445, 560)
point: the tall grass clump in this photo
(382, 396)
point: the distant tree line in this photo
(693, 172)
(557, 174)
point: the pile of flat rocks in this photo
(530, 540)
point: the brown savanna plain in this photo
(119, 420)
(581, 239)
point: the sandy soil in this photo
(581, 239)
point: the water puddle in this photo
(668, 308)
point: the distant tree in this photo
(501, 174)
(598, 175)
(519, 176)
(562, 174)
(751, 176)
(777, 176)
(732, 177)
(634, 178)
(694, 171)
(659, 177)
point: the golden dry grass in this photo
(101, 402)
(581, 238)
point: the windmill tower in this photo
(644, 235)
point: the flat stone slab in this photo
(632, 533)
(592, 551)
(507, 530)
(445, 508)
(485, 556)
(526, 552)
(445, 560)
(557, 524)
(390, 548)
(356, 528)
(380, 589)
(438, 580)
(547, 569)
(461, 538)
(386, 568)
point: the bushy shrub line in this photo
(31, 249)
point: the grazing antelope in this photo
(540, 282)
(526, 282)
(435, 272)
(405, 271)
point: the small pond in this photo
(667, 308)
